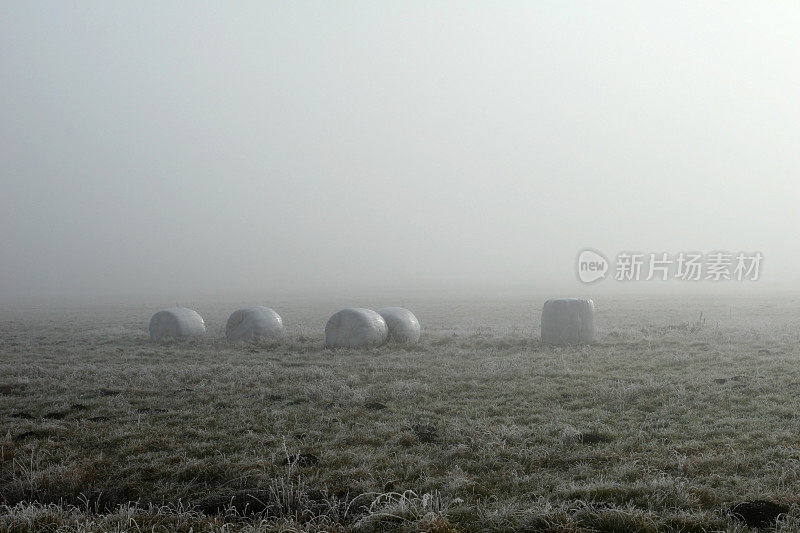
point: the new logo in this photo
(592, 266)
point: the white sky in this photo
(154, 148)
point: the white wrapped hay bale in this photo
(176, 323)
(403, 325)
(255, 323)
(355, 328)
(568, 321)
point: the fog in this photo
(162, 150)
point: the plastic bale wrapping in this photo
(355, 328)
(255, 323)
(176, 323)
(568, 321)
(403, 325)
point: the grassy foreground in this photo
(661, 426)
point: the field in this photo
(666, 423)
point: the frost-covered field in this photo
(665, 423)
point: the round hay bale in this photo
(255, 323)
(403, 325)
(568, 321)
(355, 328)
(176, 323)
